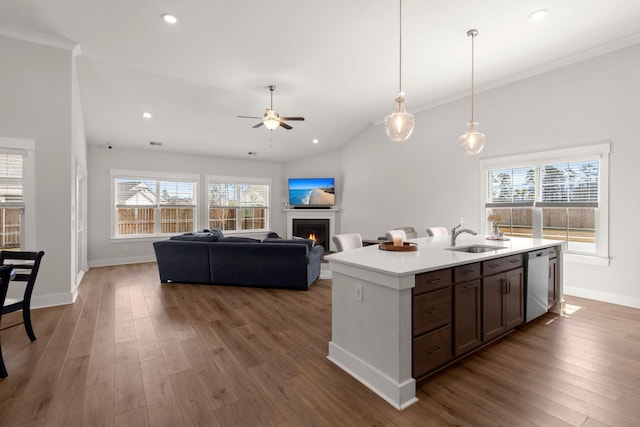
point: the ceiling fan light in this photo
(472, 142)
(271, 123)
(399, 124)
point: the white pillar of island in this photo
(371, 330)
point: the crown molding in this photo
(39, 38)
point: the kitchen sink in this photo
(475, 249)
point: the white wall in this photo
(105, 251)
(427, 181)
(36, 93)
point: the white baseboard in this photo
(602, 296)
(120, 261)
(399, 395)
(52, 300)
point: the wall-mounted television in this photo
(311, 192)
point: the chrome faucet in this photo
(454, 233)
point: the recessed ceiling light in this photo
(539, 14)
(147, 115)
(315, 140)
(169, 18)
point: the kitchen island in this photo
(378, 335)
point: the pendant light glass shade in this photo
(399, 124)
(472, 142)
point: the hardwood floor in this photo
(134, 352)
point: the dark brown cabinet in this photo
(432, 309)
(553, 277)
(502, 303)
(456, 310)
(466, 317)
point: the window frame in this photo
(590, 152)
(239, 181)
(115, 174)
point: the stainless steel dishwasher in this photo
(537, 284)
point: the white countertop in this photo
(431, 254)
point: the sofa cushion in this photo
(239, 240)
(309, 242)
(199, 237)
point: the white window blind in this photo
(11, 180)
(511, 186)
(571, 184)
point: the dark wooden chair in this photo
(5, 277)
(26, 265)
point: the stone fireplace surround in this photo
(329, 214)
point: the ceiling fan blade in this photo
(249, 117)
(286, 126)
(292, 118)
(258, 125)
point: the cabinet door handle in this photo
(435, 350)
(467, 271)
(508, 286)
(470, 286)
(514, 261)
(434, 281)
(434, 310)
(549, 272)
(503, 282)
(494, 265)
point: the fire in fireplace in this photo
(311, 228)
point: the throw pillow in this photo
(217, 232)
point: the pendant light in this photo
(472, 142)
(399, 124)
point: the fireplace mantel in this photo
(329, 214)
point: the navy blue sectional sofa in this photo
(273, 263)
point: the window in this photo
(148, 205)
(11, 200)
(559, 195)
(238, 204)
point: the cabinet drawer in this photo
(499, 265)
(431, 351)
(463, 273)
(431, 310)
(432, 280)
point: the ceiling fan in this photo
(271, 119)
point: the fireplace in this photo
(313, 228)
(313, 215)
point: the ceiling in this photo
(334, 62)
